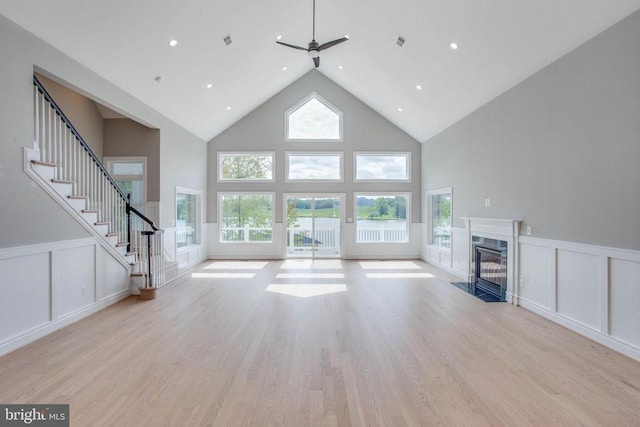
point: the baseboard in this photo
(606, 340)
(365, 257)
(460, 274)
(38, 332)
(218, 257)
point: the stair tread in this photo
(102, 223)
(38, 162)
(138, 274)
(121, 244)
(90, 211)
(130, 253)
(61, 181)
(77, 197)
(112, 234)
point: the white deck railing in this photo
(381, 235)
(320, 239)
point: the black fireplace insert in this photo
(490, 266)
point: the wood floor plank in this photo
(227, 349)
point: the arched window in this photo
(313, 119)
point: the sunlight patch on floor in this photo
(310, 276)
(237, 265)
(306, 290)
(223, 275)
(389, 265)
(311, 264)
(400, 275)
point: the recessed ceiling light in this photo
(284, 68)
(209, 85)
(279, 37)
(228, 108)
(173, 43)
(340, 67)
(453, 45)
(158, 79)
(400, 109)
(418, 87)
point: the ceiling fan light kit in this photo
(314, 48)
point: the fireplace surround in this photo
(493, 256)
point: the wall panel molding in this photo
(592, 290)
(48, 286)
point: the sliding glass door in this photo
(313, 225)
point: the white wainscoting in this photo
(186, 256)
(592, 290)
(456, 259)
(48, 286)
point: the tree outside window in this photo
(441, 219)
(246, 218)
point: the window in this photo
(188, 205)
(130, 175)
(313, 119)
(382, 217)
(439, 210)
(314, 167)
(248, 166)
(382, 166)
(246, 217)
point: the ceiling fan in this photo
(315, 48)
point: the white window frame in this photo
(407, 194)
(288, 154)
(429, 217)
(302, 102)
(110, 160)
(199, 216)
(221, 194)
(343, 209)
(272, 154)
(406, 154)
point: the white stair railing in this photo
(61, 145)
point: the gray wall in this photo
(561, 150)
(81, 110)
(27, 214)
(364, 129)
(124, 137)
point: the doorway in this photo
(313, 225)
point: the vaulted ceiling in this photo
(500, 43)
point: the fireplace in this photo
(489, 258)
(493, 258)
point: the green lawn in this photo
(320, 213)
(363, 213)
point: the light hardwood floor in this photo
(398, 345)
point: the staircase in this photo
(64, 165)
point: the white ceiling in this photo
(501, 43)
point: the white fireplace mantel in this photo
(507, 230)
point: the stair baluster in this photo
(60, 143)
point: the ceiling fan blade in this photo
(332, 43)
(316, 61)
(293, 46)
